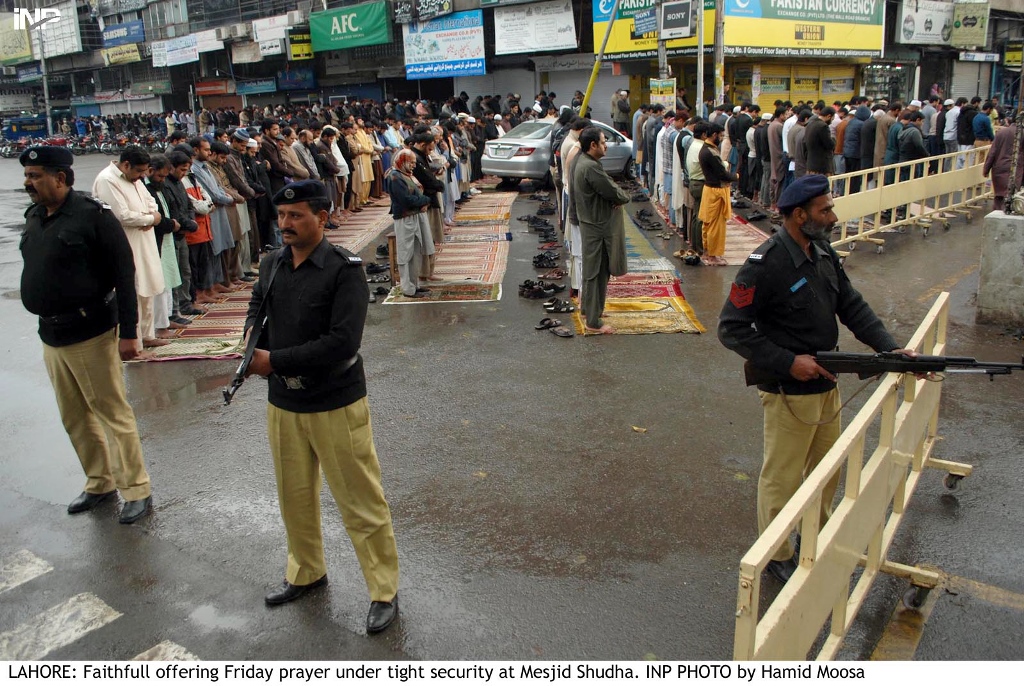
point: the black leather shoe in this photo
(381, 615)
(86, 501)
(781, 569)
(286, 592)
(134, 510)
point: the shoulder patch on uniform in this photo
(350, 257)
(741, 296)
(761, 251)
(96, 201)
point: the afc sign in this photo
(345, 23)
(37, 18)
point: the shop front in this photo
(214, 93)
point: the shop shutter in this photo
(970, 79)
(565, 83)
(501, 82)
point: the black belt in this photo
(299, 383)
(82, 313)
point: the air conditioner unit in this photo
(296, 17)
(241, 30)
(172, 31)
(224, 33)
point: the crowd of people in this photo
(756, 154)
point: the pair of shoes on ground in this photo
(131, 512)
(380, 616)
(559, 306)
(377, 268)
(382, 251)
(555, 327)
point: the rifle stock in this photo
(866, 365)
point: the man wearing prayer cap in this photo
(79, 279)
(781, 310)
(314, 296)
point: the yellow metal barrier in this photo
(859, 532)
(951, 190)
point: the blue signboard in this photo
(645, 22)
(256, 86)
(447, 46)
(124, 34)
(30, 72)
(296, 79)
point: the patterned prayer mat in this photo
(449, 292)
(644, 290)
(638, 315)
(359, 230)
(645, 277)
(741, 239)
(478, 237)
(483, 262)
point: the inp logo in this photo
(38, 18)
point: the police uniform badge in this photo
(289, 193)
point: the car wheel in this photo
(629, 171)
(510, 180)
(547, 183)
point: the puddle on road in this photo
(11, 295)
(209, 618)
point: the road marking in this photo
(21, 567)
(904, 631)
(990, 594)
(947, 284)
(56, 628)
(167, 651)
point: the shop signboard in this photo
(979, 57)
(257, 86)
(123, 34)
(300, 44)
(835, 86)
(215, 87)
(271, 28)
(663, 92)
(1012, 54)
(970, 23)
(626, 43)
(159, 51)
(645, 22)
(296, 79)
(122, 54)
(535, 28)
(246, 53)
(271, 47)
(445, 47)
(422, 10)
(804, 28)
(351, 27)
(774, 84)
(63, 35)
(925, 22)
(181, 50)
(206, 41)
(678, 20)
(30, 72)
(153, 87)
(15, 46)
(16, 100)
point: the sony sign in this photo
(37, 18)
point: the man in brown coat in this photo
(998, 162)
(882, 132)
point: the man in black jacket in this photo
(818, 144)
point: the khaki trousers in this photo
(339, 442)
(147, 326)
(88, 380)
(792, 449)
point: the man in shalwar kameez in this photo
(413, 242)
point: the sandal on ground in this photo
(379, 278)
(562, 332)
(548, 323)
(561, 307)
(380, 290)
(605, 329)
(554, 275)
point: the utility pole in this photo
(700, 58)
(600, 56)
(663, 72)
(1015, 155)
(719, 53)
(37, 29)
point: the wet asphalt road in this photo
(532, 521)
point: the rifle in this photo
(255, 333)
(867, 365)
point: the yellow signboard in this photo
(624, 43)
(122, 54)
(1012, 56)
(15, 46)
(798, 28)
(663, 91)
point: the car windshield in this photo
(534, 130)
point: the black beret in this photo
(300, 191)
(47, 156)
(803, 190)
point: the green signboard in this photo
(351, 27)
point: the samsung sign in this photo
(124, 34)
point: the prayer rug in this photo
(741, 239)
(484, 262)
(449, 292)
(478, 237)
(646, 277)
(644, 290)
(359, 230)
(645, 315)
(216, 335)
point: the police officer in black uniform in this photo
(318, 417)
(781, 310)
(79, 278)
